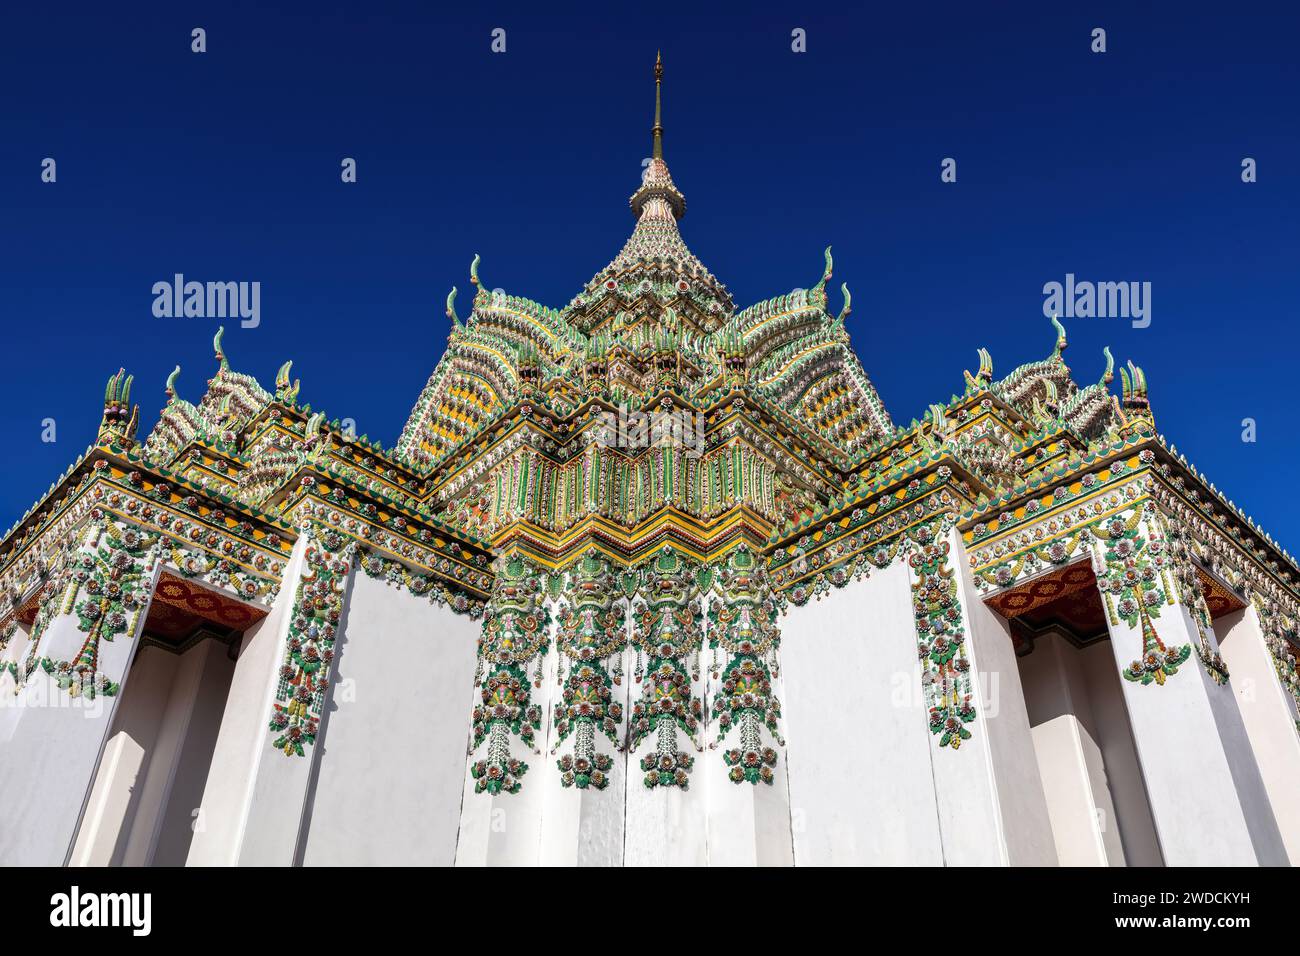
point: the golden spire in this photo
(658, 127)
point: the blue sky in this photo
(1122, 166)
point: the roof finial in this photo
(658, 127)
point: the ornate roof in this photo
(655, 320)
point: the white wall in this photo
(10, 713)
(858, 745)
(392, 760)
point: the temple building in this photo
(649, 578)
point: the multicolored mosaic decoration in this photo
(666, 638)
(313, 625)
(591, 639)
(110, 589)
(1132, 585)
(515, 638)
(742, 624)
(945, 668)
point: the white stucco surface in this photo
(52, 756)
(1108, 724)
(991, 801)
(178, 821)
(1075, 779)
(115, 796)
(392, 759)
(858, 746)
(748, 824)
(243, 740)
(1195, 758)
(585, 827)
(1269, 714)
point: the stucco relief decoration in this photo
(313, 625)
(941, 642)
(514, 639)
(742, 623)
(867, 538)
(1132, 586)
(1282, 636)
(667, 638)
(109, 585)
(398, 575)
(591, 639)
(47, 607)
(1188, 585)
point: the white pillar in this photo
(116, 796)
(1268, 712)
(585, 826)
(991, 803)
(1206, 794)
(52, 756)
(256, 795)
(667, 825)
(505, 829)
(749, 824)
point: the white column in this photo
(749, 824)
(116, 796)
(584, 827)
(667, 825)
(1204, 787)
(52, 756)
(1110, 728)
(1268, 712)
(256, 795)
(505, 829)
(992, 807)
